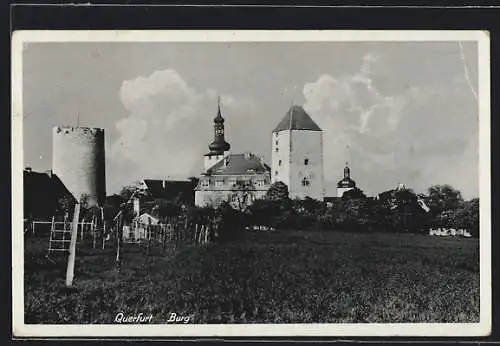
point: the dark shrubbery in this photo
(397, 210)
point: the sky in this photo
(397, 112)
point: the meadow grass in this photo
(277, 277)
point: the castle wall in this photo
(78, 160)
(280, 162)
(306, 145)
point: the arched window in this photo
(279, 163)
(305, 182)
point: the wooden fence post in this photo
(119, 230)
(70, 271)
(195, 233)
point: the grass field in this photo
(279, 277)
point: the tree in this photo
(136, 189)
(466, 216)
(66, 204)
(443, 197)
(277, 191)
(399, 209)
(242, 194)
(263, 212)
(353, 193)
(354, 214)
(229, 221)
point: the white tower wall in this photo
(281, 171)
(78, 160)
(294, 148)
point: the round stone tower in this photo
(78, 160)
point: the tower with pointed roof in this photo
(297, 155)
(346, 183)
(219, 148)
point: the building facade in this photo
(235, 178)
(297, 155)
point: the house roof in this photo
(170, 189)
(297, 119)
(235, 164)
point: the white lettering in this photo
(119, 317)
(172, 317)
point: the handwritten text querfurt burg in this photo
(121, 318)
(137, 318)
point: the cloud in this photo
(168, 127)
(419, 136)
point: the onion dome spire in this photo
(219, 145)
(218, 119)
(346, 182)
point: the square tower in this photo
(297, 155)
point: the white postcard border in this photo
(483, 328)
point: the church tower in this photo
(346, 183)
(219, 148)
(297, 155)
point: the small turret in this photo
(219, 145)
(347, 172)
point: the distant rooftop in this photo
(297, 119)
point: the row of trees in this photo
(397, 210)
(393, 210)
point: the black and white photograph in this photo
(251, 183)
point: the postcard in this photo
(251, 183)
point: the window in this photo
(305, 182)
(306, 162)
(260, 183)
(276, 173)
(279, 163)
(277, 149)
(205, 183)
(276, 142)
(219, 183)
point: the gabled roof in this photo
(239, 164)
(297, 119)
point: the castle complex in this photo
(297, 161)
(236, 178)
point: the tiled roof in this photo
(239, 164)
(297, 119)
